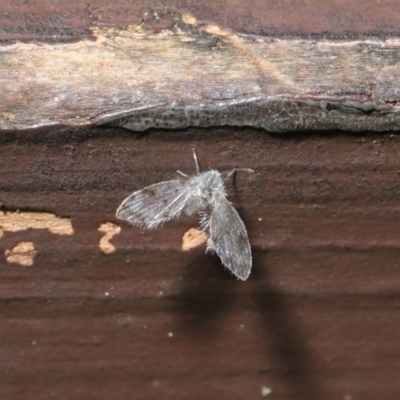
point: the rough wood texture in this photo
(170, 71)
(59, 21)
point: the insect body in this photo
(203, 194)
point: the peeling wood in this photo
(23, 220)
(23, 253)
(193, 238)
(186, 73)
(110, 231)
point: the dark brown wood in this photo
(54, 21)
(318, 318)
(91, 312)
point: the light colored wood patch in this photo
(110, 231)
(21, 221)
(193, 238)
(23, 253)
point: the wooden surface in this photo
(92, 308)
(54, 20)
(317, 319)
(171, 70)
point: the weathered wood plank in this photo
(180, 73)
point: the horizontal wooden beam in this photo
(171, 71)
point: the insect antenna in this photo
(199, 160)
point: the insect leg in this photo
(182, 174)
(234, 170)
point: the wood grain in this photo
(317, 319)
(171, 71)
(97, 315)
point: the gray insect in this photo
(203, 194)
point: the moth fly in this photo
(203, 194)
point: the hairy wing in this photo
(155, 204)
(228, 237)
